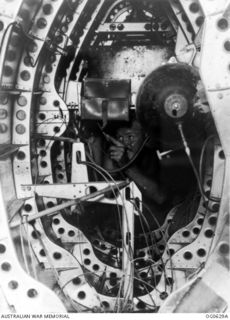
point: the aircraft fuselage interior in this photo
(114, 156)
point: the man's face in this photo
(132, 138)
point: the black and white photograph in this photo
(114, 158)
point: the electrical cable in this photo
(188, 153)
(121, 282)
(92, 163)
(154, 218)
(161, 259)
(148, 246)
(165, 241)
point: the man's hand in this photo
(117, 151)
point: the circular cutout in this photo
(209, 233)
(76, 281)
(21, 155)
(41, 23)
(27, 207)
(71, 233)
(3, 128)
(47, 9)
(87, 262)
(222, 24)
(200, 221)
(13, 284)
(187, 255)
(194, 7)
(3, 99)
(224, 248)
(3, 114)
(199, 21)
(7, 71)
(20, 129)
(43, 164)
(86, 251)
(42, 116)
(96, 267)
(35, 234)
(113, 275)
(112, 26)
(42, 153)
(163, 295)
(120, 26)
(201, 252)
(56, 129)
(2, 248)
(21, 115)
(32, 293)
(212, 221)
(42, 253)
(56, 221)
(57, 255)
(60, 176)
(221, 154)
(196, 230)
(41, 143)
(215, 207)
(11, 55)
(81, 295)
(227, 45)
(28, 61)
(6, 266)
(185, 233)
(22, 101)
(61, 230)
(105, 304)
(56, 103)
(50, 204)
(25, 75)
